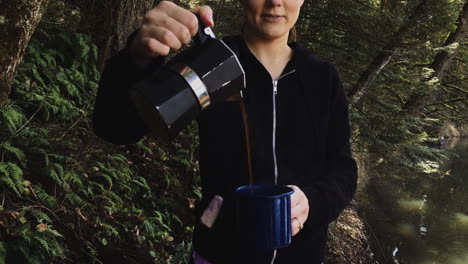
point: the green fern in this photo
(148, 227)
(3, 252)
(34, 260)
(140, 181)
(18, 153)
(63, 159)
(17, 175)
(53, 232)
(97, 186)
(58, 170)
(39, 214)
(12, 117)
(55, 176)
(45, 198)
(74, 199)
(118, 157)
(116, 198)
(11, 176)
(108, 180)
(75, 179)
(8, 182)
(43, 243)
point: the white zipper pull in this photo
(275, 87)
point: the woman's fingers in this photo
(299, 209)
(158, 41)
(206, 15)
(299, 215)
(297, 196)
(296, 225)
(167, 27)
(183, 16)
(151, 47)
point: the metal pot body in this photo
(193, 81)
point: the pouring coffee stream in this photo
(204, 75)
(247, 140)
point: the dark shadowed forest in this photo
(68, 196)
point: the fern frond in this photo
(5, 178)
(32, 259)
(59, 169)
(14, 150)
(12, 116)
(39, 214)
(115, 197)
(110, 230)
(118, 157)
(143, 146)
(74, 199)
(62, 159)
(148, 228)
(43, 243)
(140, 181)
(98, 186)
(108, 179)
(75, 179)
(46, 160)
(45, 198)
(16, 174)
(106, 199)
(53, 232)
(2, 252)
(55, 176)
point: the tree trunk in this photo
(18, 21)
(112, 22)
(368, 77)
(441, 64)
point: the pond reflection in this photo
(422, 218)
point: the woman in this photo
(298, 119)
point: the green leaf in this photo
(3, 252)
(19, 154)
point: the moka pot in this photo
(205, 74)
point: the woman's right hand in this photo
(167, 26)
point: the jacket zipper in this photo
(275, 92)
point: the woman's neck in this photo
(268, 51)
(274, 54)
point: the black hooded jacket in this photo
(298, 125)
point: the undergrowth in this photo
(67, 196)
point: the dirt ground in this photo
(348, 240)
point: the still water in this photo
(421, 218)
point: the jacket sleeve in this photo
(337, 185)
(115, 118)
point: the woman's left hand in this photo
(299, 209)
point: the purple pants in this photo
(197, 259)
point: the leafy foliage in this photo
(60, 181)
(81, 200)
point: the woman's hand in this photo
(299, 209)
(167, 26)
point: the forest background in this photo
(69, 197)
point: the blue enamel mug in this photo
(263, 216)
